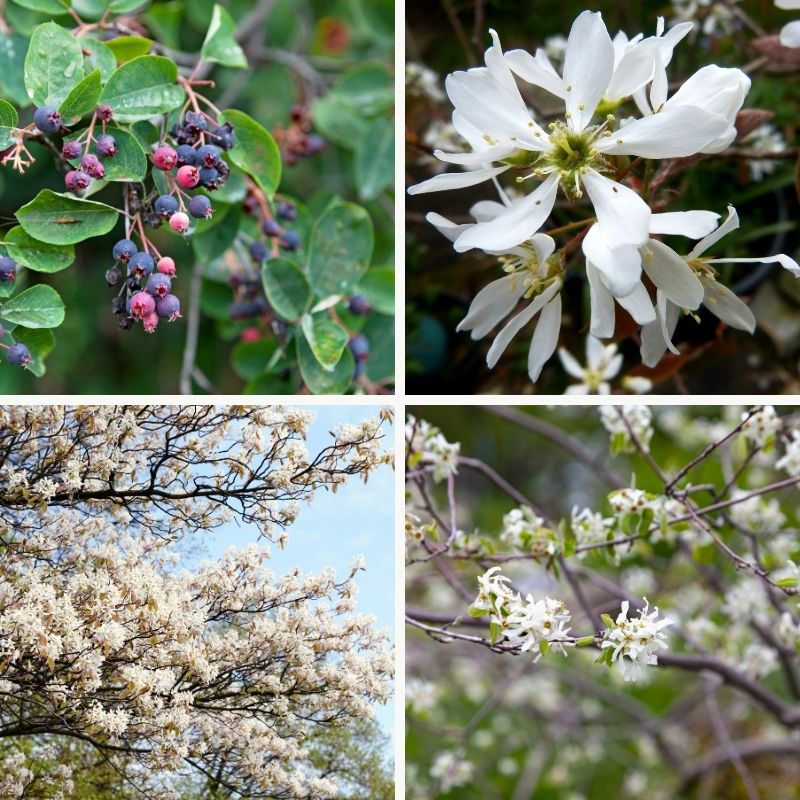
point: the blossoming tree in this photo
(586, 628)
(115, 659)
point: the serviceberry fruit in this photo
(209, 177)
(47, 119)
(19, 355)
(106, 146)
(140, 264)
(359, 347)
(179, 222)
(259, 252)
(158, 285)
(286, 211)
(188, 176)
(200, 207)
(166, 266)
(208, 155)
(113, 276)
(290, 240)
(123, 250)
(77, 181)
(150, 322)
(271, 227)
(91, 165)
(71, 150)
(359, 305)
(142, 304)
(125, 322)
(104, 112)
(186, 155)
(8, 269)
(118, 306)
(223, 136)
(166, 205)
(168, 307)
(165, 158)
(195, 122)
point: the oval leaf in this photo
(143, 88)
(8, 122)
(219, 45)
(375, 159)
(322, 381)
(82, 99)
(341, 248)
(54, 65)
(326, 338)
(13, 49)
(126, 48)
(378, 287)
(64, 219)
(45, 6)
(255, 151)
(36, 255)
(286, 287)
(37, 307)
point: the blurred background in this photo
(452, 34)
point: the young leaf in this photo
(255, 151)
(143, 88)
(64, 219)
(286, 287)
(54, 65)
(36, 255)
(220, 45)
(126, 48)
(375, 159)
(320, 380)
(340, 250)
(37, 307)
(8, 121)
(326, 338)
(82, 99)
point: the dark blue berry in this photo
(113, 276)
(223, 136)
(200, 207)
(158, 285)
(259, 252)
(106, 146)
(195, 122)
(141, 263)
(286, 211)
(165, 206)
(359, 347)
(47, 119)
(209, 177)
(8, 269)
(19, 355)
(168, 307)
(290, 240)
(123, 250)
(186, 155)
(71, 150)
(359, 305)
(208, 156)
(271, 228)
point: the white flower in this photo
(758, 660)
(430, 448)
(757, 514)
(764, 139)
(424, 81)
(536, 622)
(525, 530)
(629, 501)
(761, 427)
(790, 33)
(493, 592)
(590, 527)
(421, 696)
(451, 770)
(603, 363)
(636, 640)
(714, 15)
(639, 418)
(790, 460)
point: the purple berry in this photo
(208, 156)
(187, 155)
(165, 158)
(359, 305)
(71, 150)
(8, 269)
(19, 355)
(200, 207)
(290, 240)
(140, 264)
(195, 122)
(47, 119)
(106, 146)
(158, 285)
(77, 181)
(104, 112)
(223, 136)
(359, 347)
(286, 211)
(259, 252)
(123, 250)
(91, 165)
(166, 205)
(168, 307)
(271, 227)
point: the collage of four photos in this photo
(401, 400)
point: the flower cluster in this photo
(426, 446)
(622, 421)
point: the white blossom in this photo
(790, 33)
(451, 770)
(638, 417)
(603, 362)
(790, 460)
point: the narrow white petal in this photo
(672, 275)
(478, 159)
(536, 70)
(519, 222)
(491, 305)
(588, 66)
(455, 180)
(730, 224)
(790, 34)
(602, 305)
(693, 224)
(497, 64)
(544, 246)
(595, 350)
(654, 345)
(570, 364)
(667, 316)
(486, 209)
(623, 215)
(447, 228)
(613, 367)
(672, 133)
(723, 303)
(788, 5)
(633, 71)
(639, 305)
(658, 88)
(780, 258)
(577, 388)
(545, 337)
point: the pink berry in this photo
(165, 158)
(188, 176)
(166, 266)
(142, 304)
(179, 222)
(250, 335)
(150, 322)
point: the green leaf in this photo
(37, 307)
(13, 49)
(54, 65)
(95, 9)
(40, 343)
(143, 88)
(375, 159)
(250, 359)
(130, 161)
(212, 243)
(82, 99)
(286, 287)
(608, 621)
(8, 121)
(64, 219)
(219, 44)
(270, 383)
(320, 380)
(379, 330)
(369, 88)
(377, 286)
(326, 338)
(340, 250)
(100, 57)
(544, 646)
(338, 121)
(45, 6)
(256, 151)
(36, 255)
(126, 48)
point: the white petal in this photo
(570, 364)
(658, 88)
(492, 304)
(780, 258)
(621, 266)
(790, 34)
(513, 327)
(672, 275)
(478, 159)
(536, 70)
(719, 90)
(667, 316)
(730, 224)
(632, 71)
(497, 64)
(639, 305)
(614, 366)
(545, 337)
(455, 180)
(588, 66)
(723, 303)
(449, 229)
(577, 388)
(623, 215)
(544, 246)
(486, 209)
(653, 344)
(672, 133)
(519, 222)
(595, 350)
(787, 5)
(602, 305)
(693, 224)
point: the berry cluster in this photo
(146, 292)
(296, 141)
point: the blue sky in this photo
(333, 528)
